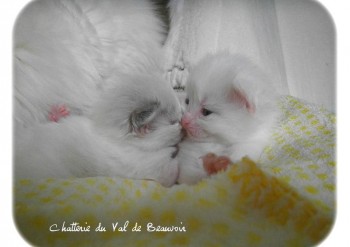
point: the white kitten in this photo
(90, 99)
(231, 110)
(132, 132)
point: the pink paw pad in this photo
(57, 112)
(213, 164)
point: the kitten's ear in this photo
(140, 118)
(238, 97)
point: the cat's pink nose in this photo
(186, 120)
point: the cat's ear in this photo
(141, 118)
(238, 97)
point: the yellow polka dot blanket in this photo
(284, 199)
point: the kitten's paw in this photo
(169, 173)
(213, 164)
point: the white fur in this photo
(231, 129)
(102, 60)
(65, 49)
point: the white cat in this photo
(90, 98)
(231, 110)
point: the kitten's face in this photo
(220, 103)
(142, 110)
(216, 117)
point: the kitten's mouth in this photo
(188, 135)
(195, 135)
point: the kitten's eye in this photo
(206, 112)
(187, 101)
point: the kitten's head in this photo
(228, 100)
(141, 109)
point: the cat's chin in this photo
(195, 134)
(198, 139)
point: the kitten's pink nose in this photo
(186, 120)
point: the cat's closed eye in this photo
(173, 122)
(206, 112)
(142, 117)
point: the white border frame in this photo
(339, 12)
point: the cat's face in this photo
(221, 101)
(141, 110)
(215, 116)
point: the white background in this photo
(339, 10)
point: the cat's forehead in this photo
(139, 89)
(206, 89)
(214, 76)
(162, 92)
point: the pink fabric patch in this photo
(57, 112)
